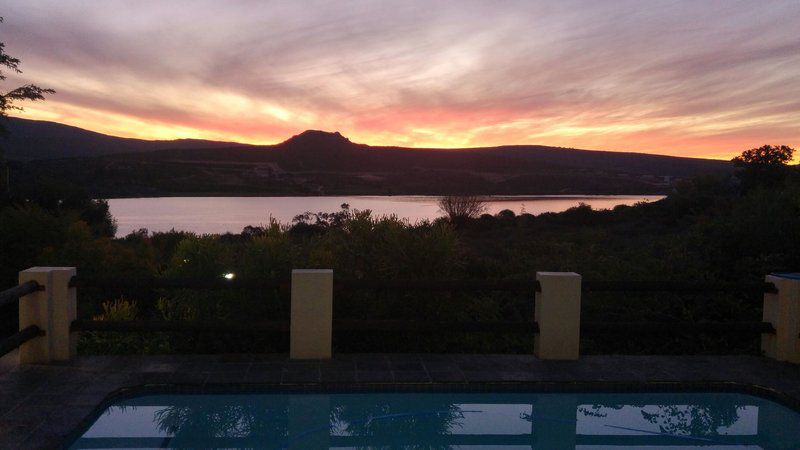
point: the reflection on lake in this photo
(231, 214)
(446, 420)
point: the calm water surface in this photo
(231, 214)
(384, 420)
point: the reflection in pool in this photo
(446, 420)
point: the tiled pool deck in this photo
(41, 405)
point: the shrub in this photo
(117, 310)
(460, 207)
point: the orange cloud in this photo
(696, 79)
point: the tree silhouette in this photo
(462, 207)
(27, 92)
(407, 422)
(700, 419)
(764, 166)
(198, 422)
(402, 420)
(766, 155)
(8, 102)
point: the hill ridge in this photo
(43, 139)
(22, 131)
(317, 162)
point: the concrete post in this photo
(558, 312)
(52, 309)
(312, 314)
(782, 310)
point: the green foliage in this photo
(712, 229)
(117, 310)
(365, 246)
(112, 310)
(171, 309)
(269, 254)
(24, 233)
(199, 257)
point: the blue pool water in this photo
(446, 420)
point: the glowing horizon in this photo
(694, 79)
(159, 132)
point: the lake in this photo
(231, 214)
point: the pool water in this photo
(457, 420)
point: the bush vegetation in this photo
(461, 207)
(716, 229)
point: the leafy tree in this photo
(765, 166)
(767, 155)
(8, 102)
(27, 92)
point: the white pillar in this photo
(782, 310)
(312, 314)
(52, 309)
(558, 313)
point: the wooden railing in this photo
(9, 296)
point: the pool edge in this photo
(734, 387)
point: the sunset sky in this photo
(688, 78)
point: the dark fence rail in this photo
(268, 326)
(177, 283)
(524, 286)
(678, 287)
(15, 340)
(528, 286)
(346, 325)
(677, 327)
(434, 326)
(8, 297)
(282, 326)
(339, 285)
(13, 294)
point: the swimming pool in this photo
(458, 420)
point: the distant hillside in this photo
(322, 163)
(37, 139)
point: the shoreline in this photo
(220, 215)
(494, 197)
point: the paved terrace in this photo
(41, 405)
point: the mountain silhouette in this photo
(318, 138)
(39, 139)
(313, 148)
(317, 162)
